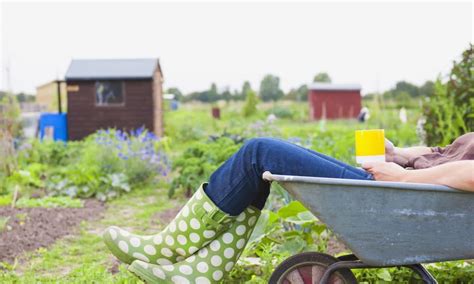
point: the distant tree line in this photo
(405, 94)
(20, 97)
(269, 91)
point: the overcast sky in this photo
(374, 44)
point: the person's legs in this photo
(238, 182)
(237, 185)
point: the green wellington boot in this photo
(211, 263)
(196, 225)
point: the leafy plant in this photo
(197, 163)
(50, 202)
(449, 111)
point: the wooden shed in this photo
(121, 93)
(334, 101)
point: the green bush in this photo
(282, 112)
(103, 166)
(198, 161)
(449, 111)
(250, 106)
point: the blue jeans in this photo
(238, 182)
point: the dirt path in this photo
(28, 229)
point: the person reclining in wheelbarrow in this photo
(206, 238)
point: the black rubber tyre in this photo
(308, 267)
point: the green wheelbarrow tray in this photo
(390, 223)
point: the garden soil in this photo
(32, 228)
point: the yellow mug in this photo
(370, 145)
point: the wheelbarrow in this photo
(384, 224)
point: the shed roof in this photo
(334, 87)
(112, 69)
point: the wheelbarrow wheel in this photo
(308, 268)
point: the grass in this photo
(83, 257)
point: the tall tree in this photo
(322, 77)
(300, 94)
(246, 87)
(270, 88)
(427, 89)
(407, 87)
(176, 92)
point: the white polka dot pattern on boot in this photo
(198, 195)
(158, 273)
(252, 220)
(166, 252)
(240, 243)
(181, 251)
(241, 217)
(158, 239)
(163, 261)
(190, 259)
(185, 211)
(229, 266)
(135, 242)
(194, 237)
(216, 260)
(217, 275)
(186, 269)
(203, 252)
(123, 246)
(229, 252)
(181, 239)
(172, 227)
(193, 249)
(227, 238)
(195, 224)
(140, 256)
(202, 280)
(202, 267)
(209, 234)
(169, 240)
(113, 234)
(149, 249)
(204, 257)
(215, 245)
(183, 226)
(179, 280)
(240, 230)
(207, 206)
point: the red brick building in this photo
(334, 101)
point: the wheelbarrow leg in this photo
(339, 265)
(424, 274)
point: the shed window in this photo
(109, 93)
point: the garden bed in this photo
(28, 229)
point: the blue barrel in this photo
(174, 105)
(53, 126)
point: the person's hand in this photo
(391, 154)
(385, 171)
